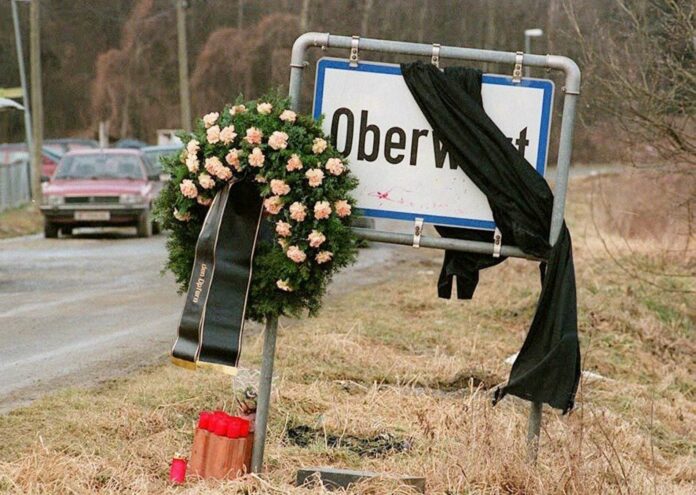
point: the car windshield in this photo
(104, 166)
(155, 155)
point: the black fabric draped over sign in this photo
(547, 369)
(210, 331)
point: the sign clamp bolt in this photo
(354, 51)
(517, 71)
(435, 59)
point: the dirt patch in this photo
(381, 445)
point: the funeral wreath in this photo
(305, 185)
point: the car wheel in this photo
(156, 228)
(144, 225)
(50, 230)
(66, 230)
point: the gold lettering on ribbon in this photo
(200, 282)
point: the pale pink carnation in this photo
(256, 158)
(316, 239)
(283, 229)
(223, 173)
(323, 256)
(335, 166)
(253, 135)
(298, 211)
(237, 109)
(279, 187)
(210, 118)
(227, 134)
(204, 201)
(213, 134)
(315, 176)
(188, 188)
(273, 204)
(264, 108)
(182, 217)
(232, 158)
(206, 181)
(278, 140)
(212, 164)
(193, 146)
(192, 163)
(322, 210)
(294, 163)
(288, 116)
(318, 146)
(284, 285)
(296, 254)
(342, 208)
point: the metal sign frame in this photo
(571, 90)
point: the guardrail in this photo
(14, 184)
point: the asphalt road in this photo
(76, 311)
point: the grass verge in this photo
(20, 221)
(400, 382)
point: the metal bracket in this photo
(354, 51)
(417, 232)
(435, 59)
(497, 242)
(517, 71)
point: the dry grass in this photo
(20, 221)
(393, 359)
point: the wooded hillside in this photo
(118, 60)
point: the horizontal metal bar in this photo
(567, 65)
(441, 243)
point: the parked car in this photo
(13, 152)
(100, 188)
(64, 145)
(130, 143)
(154, 153)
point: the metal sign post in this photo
(355, 45)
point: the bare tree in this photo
(641, 61)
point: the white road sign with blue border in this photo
(403, 170)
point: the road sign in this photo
(374, 120)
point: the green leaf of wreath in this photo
(306, 186)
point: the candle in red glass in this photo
(177, 473)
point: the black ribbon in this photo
(547, 368)
(211, 326)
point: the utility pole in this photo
(25, 93)
(184, 90)
(36, 99)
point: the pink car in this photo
(99, 188)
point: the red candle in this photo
(248, 443)
(200, 441)
(177, 473)
(217, 446)
(234, 459)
